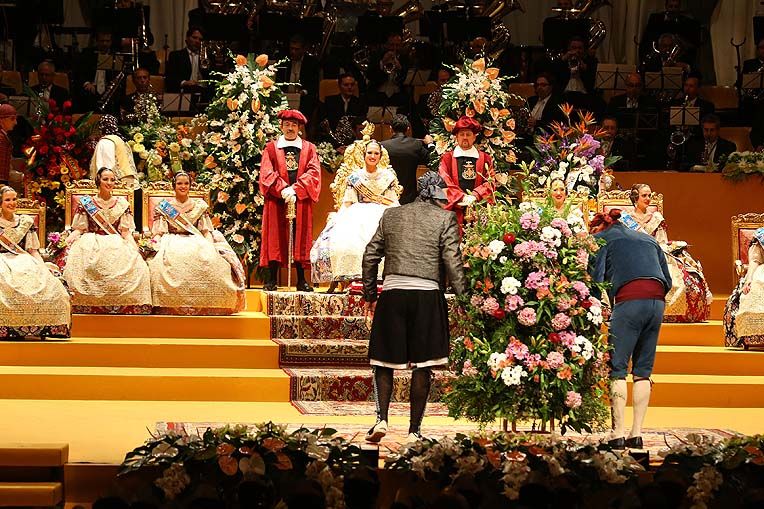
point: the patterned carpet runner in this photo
(323, 346)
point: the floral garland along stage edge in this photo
(568, 152)
(477, 92)
(739, 165)
(532, 346)
(240, 120)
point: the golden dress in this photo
(194, 274)
(105, 271)
(33, 302)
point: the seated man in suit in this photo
(387, 72)
(633, 100)
(691, 89)
(304, 69)
(613, 144)
(545, 104)
(91, 81)
(704, 154)
(184, 70)
(337, 106)
(45, 87)
(406, 154)
(142, 81)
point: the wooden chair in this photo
(87, 187)
(524, 90)
(157, 191)
(723, 97)
(12, 79)
(427, 88)
(743, 227)
(741, 136)
(608, 200)
(576, 199)
(37, 210)
(60, 78)
(157, 85)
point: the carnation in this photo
(581, 288)
(527, 206)
(527, 317)
(468, 369)
(513, 375)
(476, 300)
(560, 321)
(555, 360)
(490, 305)
(551, 236)
(561, 225)
(510, 285)
(529, 221)
(496, 247)
(572, 399)
(497, 360)
(513, 302)
(516, 349)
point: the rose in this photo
(509, 238)
(554, 338)
(499, 314)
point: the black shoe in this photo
(617, 443)
(634, 443)
(270, 287)
(304, 286)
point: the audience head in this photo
(444, 74)
(103, 41)
(634, 85)
(361, 488)
(640, 195)
(257, 493)
(692, 85)
(711, 124)
(673, 5)
(306, 495)
(760, 49)
(394, 42)
(400, 124)
(194, 38)
(347, 84)
(466, 131)
(8, 116)
(296, 47)
(142, 80)
(610, 125)
(45, 73)
(543, 85)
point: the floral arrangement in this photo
(161, 149)
(532, 346)
(147, 245)
(502, 463)
(329, 157)
(56, 249)
(739, 165)
(225, 457)
(56, 152)
(569, 152)
(478, 92)
(240, 120)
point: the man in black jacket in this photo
(343, 104)
(702, 151)
(45, 87)
(304, 69)
(545, 105)
(406, 154)
(92, 82)
(419, 243)
(185, 70)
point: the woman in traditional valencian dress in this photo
(194, 271)
(689, 299)
(33, 302)
(104, 269)
(371, 188)
(744, 313)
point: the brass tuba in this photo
(501, 36)
(410, 11)
(598, 30)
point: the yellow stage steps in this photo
(31, 474)
(31, 494)
(181, 384)
(709, 333)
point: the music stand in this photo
(417, 77)
(684, 116)
(379, 114)
(664, 84)
(613, 76)
(22, 103)
(753, 81)
(175, 105)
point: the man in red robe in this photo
(467, 171)
(289, 172)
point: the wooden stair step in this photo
(707, 360)
(143, 353)
(31, 494)
(244, 325)
(33, 455)
(150, 384)
(709, 333)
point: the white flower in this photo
(495, 359)
(496, 247)
(512, 375)
(503, 259)
(551, 236)
(594, 315)
(527, 206)
(510, 285)
(584, 347)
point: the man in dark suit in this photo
(185, 70)
(691, 89)
(754, 64)
(406, 154)
(671, 21)
(700, 152)
(613, 144)
(92, 82)
(304, 69)
(45, 87)
(544, 106)
(345, 103)
(633, 100)
(387, 72)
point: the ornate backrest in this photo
(37, 210)
(608, 200)
(353, 159)
(157, 191)
(87, 187)
(743, 226)
(576, 199)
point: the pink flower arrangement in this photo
(516, 349)
(490, 305)
(581, 289)
(568, 338)
(529, 221)
(513, 302)
(555, 360)
(573, 399)
(527, 317)
(564, 303)
(536, 280)
(560, 321)
(532, 361)
(561, 225)
(468, 369)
